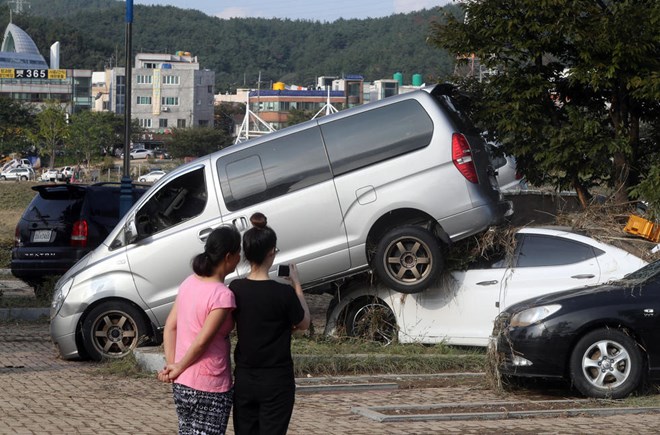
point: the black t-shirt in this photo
(265, 313)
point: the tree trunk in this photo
(52, 156)
(582, 192)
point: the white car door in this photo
(546, 264)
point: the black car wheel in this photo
(24, 178)
(606, 363)
(408, 259)
(371, 319)
(113, 330)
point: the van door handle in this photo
(240, 223)
(488, 282)
(204, 234)
(583, 276)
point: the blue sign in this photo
(129, 11)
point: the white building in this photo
(168, 91)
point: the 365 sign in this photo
(21, 73)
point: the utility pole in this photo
(126, 190)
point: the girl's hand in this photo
(293, 275)
(164, 375)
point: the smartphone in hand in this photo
(283, 270)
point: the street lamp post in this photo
(126, 191)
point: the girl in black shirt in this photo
(266, 313)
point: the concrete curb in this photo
(374, 413)
(150, 359)
(24, 313)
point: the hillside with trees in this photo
(91, 33)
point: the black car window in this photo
(539, 251)
(273, 168)
(56, 204)
(181, 199)
(376, 135)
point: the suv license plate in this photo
(41, 236)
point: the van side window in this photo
(181, 199)
(376, 135)
(273, 168)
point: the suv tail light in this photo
(79, 234)
(17, 237)
(462, 157)
(519, 175)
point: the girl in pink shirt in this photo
(196, 338)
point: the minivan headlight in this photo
(533, 315)
(59, 295)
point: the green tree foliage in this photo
(90, 132)
(16, 122)
(196, 141)
(237, 49)
(574, 81)
(50, 129)
(296, 116)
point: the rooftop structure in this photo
(19, 50)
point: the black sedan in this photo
(605, 339)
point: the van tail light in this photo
(462, 157)
(79, 234)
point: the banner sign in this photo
(22, 73)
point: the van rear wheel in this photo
(112, 330)
(408, 259)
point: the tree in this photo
(50, 129)
(196, 141)
(16, 121)
(90, 132)
(573, 81)
(296, 116)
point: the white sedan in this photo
(461, 309)
(152, 177)
(141, 154)
(22, 174)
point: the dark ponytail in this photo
(259, 240)
(222, 241)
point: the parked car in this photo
(152, 176)
(51, 174)
(67, 172)
(141, 154)
(386, 185)
(462, 308)
(162, 154)
(509, 178)
(62, 224)
(605, 339)
(22, 174)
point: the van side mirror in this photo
(130, 231)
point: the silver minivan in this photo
(385, 186)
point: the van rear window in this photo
(376, 135)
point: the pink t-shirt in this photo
(196, 299)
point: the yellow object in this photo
(278, 86)
(641, 227)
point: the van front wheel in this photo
(112, 330)
(408, 258)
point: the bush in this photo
(5, 252)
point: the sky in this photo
(321, 10)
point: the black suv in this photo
(62, 224)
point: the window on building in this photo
(144, 79)
(403, 127)
(171, 80)
(106, 105)
(273, 169)
(169, 101)
(210, 89)
(145, 122)
(149, 65)
(162, 123)
(180, 123)
(203, 122)
(143, 100)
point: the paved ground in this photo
(44, 395)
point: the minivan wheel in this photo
(606, 363)
(112, 330)
(371, 319)
(408, 258)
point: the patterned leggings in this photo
(201, 412)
